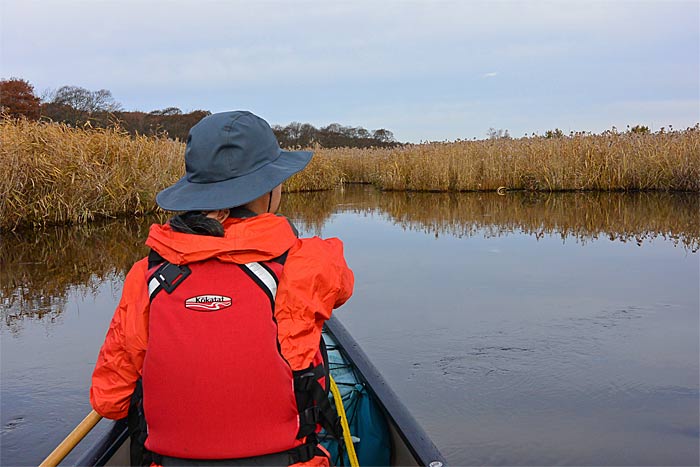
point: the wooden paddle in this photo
(67, 445)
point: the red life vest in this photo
(215, 385)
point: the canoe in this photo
(407, 444)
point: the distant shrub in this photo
(555, 133)
(640, 130)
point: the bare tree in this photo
(74, 104)
(497, 134)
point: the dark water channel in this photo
(518, 329)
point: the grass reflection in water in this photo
(584, 216)
(40, 267)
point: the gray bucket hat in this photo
(231, 159)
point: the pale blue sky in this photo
(425, 70)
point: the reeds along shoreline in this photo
(55, 174)
(668, 161)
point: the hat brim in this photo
(187, 196)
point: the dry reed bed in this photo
(55, 174)
(612, 162)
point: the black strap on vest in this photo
(256, 271)
(314, 405)
(138, 431)
(305, 452)
(167, 277)
(302, 453)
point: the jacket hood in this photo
(259, 238)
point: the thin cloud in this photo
(490, 74)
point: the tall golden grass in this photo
(55, 174)
(322, 173)
(613, 161)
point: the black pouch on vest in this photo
(138, 431)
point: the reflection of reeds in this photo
(310, 211)
(583, 216)
(39, 268)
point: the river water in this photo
(518, 329)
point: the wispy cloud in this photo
(490, 74)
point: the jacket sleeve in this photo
(342, 279)
(316, 279)
(120, 360)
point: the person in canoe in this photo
(214, 349)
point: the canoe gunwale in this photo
(104, 448)
(412, 434)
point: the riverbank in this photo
(612, 161)
(56, 174)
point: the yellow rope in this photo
(349, 447)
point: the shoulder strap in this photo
(264, 276)
(154, 259)
(167, 277)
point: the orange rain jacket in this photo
(315, 280)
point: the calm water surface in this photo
(519, 330)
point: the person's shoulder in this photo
(138, 271)
(290, 223)
(317, 250)
(321, 244)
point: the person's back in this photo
(224, 317)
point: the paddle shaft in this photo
(67, 445)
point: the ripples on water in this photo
(525, 329)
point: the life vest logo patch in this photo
(208, 302)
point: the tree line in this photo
(78, 107)
(332, 136)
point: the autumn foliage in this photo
(17, 99)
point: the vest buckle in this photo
(169, 275)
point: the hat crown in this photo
(231, 159)
(228, 145)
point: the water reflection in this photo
(583, 216)
(39, 267)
